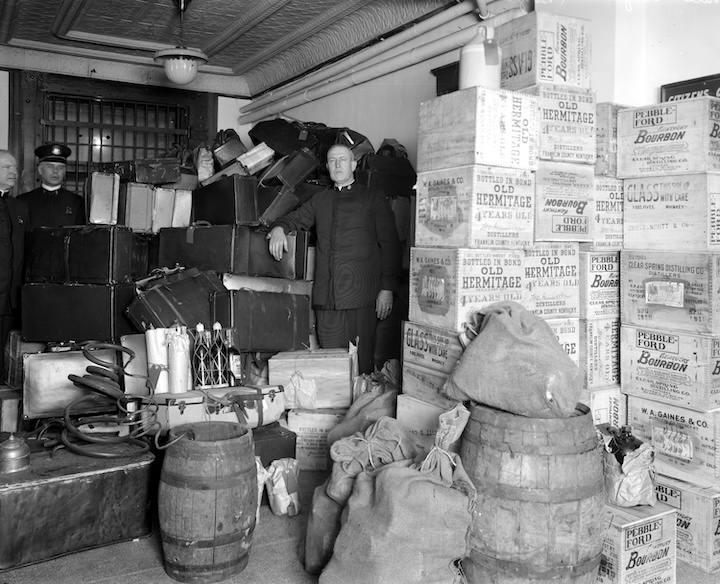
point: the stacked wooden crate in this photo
(670, 333)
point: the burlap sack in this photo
(405, 524)
(323, 525)
(516, 364)
(363, 413)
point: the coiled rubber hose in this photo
(137, 413)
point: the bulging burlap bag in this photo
(516, 364)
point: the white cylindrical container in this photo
(480, 60)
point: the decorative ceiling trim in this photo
(67, 14)
(99, 39)
(259, 13)
(304, 32)
(107, 56)
(340, 38)
(8, 14)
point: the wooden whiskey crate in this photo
(563, 195)
(475, 206)
(551, 280)
(567, 123)
(478, 125)
(675, 137)
(606, 137)
(673, 212)
(542, 47)
(606, 216)
(448, 285)
(599, 284)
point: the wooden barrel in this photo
(207, 501)
(540, 501)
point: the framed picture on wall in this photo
(698, 87)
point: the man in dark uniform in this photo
(358, 258)
(13, 220)
(51, 205)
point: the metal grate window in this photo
(108, 130)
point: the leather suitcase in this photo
(229, 200)
(164, 205)
(393, 175)
(93, 254)
(154, 171)
(292, 169)
(282, 136)
(264, 321)
(103, 194)
(235, 249)
(47, 391)
(77, 312)
(273, 442)
(65, 503)
(274, 202)
(182, 208)
(185, 300)
(136, 206)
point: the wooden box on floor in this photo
(420, 419)
(639, 545)
(698, 520)
(312, 428)
(67, 502)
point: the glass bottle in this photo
(624, 442)
(218, 358)
(201, 358)
(236, 371)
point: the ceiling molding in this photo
(231, 34)
(304, 32)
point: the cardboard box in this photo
(312, 428)
(543, 47)
(698, 520)
(673, 212)
(676, 368)
(478, 125)
(550, 282)
(447, 286)
(639, 545)
(567, 123)
(599, 345)
(315, 379)
(606, 216)
(563, 195)
(420, 419)
(670, 290)
(606, 138)
(599, 284)
(675, 137)
(429, 355)
(607, 404)
(567, 331)
(475, 206)
(686, 442)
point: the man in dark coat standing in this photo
(13, 220)
(358, 257)
(50, 204)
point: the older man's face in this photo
(341, 165)
(52, 173)
(8, 171)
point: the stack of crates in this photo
(669, 160)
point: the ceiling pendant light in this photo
(181, 63)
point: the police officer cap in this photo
(52, 153)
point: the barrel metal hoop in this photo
(535, 572)
(586, 446)
(217, 541)
(201, 483)
(208, 569)
(550, 495)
